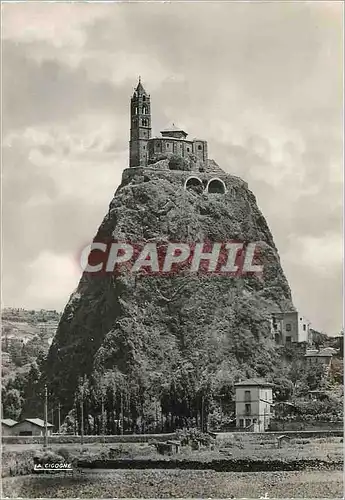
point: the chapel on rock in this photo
(173, 140)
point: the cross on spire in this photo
(140, 87)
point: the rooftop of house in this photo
(36, 421)
(251, 382)
(326, 352)
(8, 422)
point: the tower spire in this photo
(140, 126)
(140, 87)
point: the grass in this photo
(184, 483)
(178, 484)
(231, 447)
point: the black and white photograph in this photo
(172, 249)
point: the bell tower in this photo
(140, 126)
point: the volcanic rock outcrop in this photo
(145, 331)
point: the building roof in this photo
(36, 421)
(140, 88)
(8, 421)
(169, 138)
(173, 128)
(323, 353)
(254, 382)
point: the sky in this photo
(261, 82)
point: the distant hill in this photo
(24, 325)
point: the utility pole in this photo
(45, 445)
(59, 417)
(121, 410)
(103, 418)
(82, 417)
(202, 413)
(157, 424)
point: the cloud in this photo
(261, 82)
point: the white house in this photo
(289, 327)
(31, 427)
(254, 400)
(7, 425)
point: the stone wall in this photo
(160, 170)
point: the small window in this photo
(188, 150)
(135, 110)
(144, 98)
(288, 340)
(144, 110)
(304, 327)
(248, 408)
(144, 147)
(248, 422)
(200, 147)
(241, 422)
(288, 327)
(168, 145)
(247, 395)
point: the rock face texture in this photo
(147, 331)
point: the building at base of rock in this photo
(290, 327)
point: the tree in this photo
(283, 388)
(32, 392)
(337, 371)
(178, 163)
(12, 403)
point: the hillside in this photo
(24, 324)
(166, 341)
(26, 337)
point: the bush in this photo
(178, 163)
(193, 437)
(64, 453)
(156, 158)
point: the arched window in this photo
(135, 110)
(144, 110)
(200, 146)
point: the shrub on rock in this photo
(178, 163)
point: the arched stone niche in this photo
(194, 184)
(215, 186)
